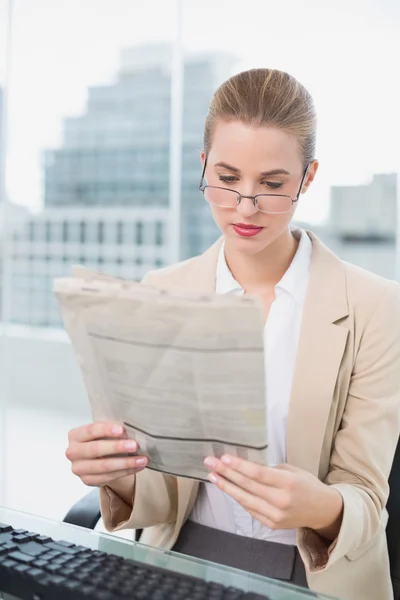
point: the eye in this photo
(273, 185)
(228, 178)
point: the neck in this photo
(265, 269)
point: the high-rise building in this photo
(117, 153)
(123, 242)
(362, 224)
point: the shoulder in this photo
(357, 292)
(368, 292)
(173, 274)
(194, 274)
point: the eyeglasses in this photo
(274, 204)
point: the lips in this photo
(245, 230)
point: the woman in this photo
(317, 517)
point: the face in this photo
(254, 161)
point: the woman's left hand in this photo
(282, 497)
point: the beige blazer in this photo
(343, 424)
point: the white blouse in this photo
(213, 507)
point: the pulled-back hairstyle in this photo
(265, 97)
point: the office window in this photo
(120, 232)
(82, 232)
(100, 232)
(48, 231)
(159, 233)
(65, 231)
(31, 229)
(139, 233)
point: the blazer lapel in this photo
(321, 348)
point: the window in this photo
(100, 232)
(31, 228)
(139, 233)
(48, 231)
(82, 232)
(120, 232)
(65, 232)
(159, 233)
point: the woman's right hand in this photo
(91, 453)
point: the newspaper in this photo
(183, 372)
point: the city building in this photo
(118, 152)
(362, 224)
(122, 242)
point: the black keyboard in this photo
(35, 567)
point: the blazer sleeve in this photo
(154, 501)
(365, 444)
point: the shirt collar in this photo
(294, 281)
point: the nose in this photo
(246, 207)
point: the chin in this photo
(248, 245)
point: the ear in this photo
(311, 173)
(202, 158)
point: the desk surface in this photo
(207, 571)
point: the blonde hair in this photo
(265, 97)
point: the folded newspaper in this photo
(183, 372)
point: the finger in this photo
(100, 448)
(249, 501)
(100, 480)
(275, 496)
(96, 431)
(261, 473)
(108, 465)
(272, 523)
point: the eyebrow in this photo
(264, 173)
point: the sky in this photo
(346, 54)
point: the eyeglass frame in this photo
(253, 198)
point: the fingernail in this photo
(117, 430)
(141, 462)
(226, 459)
(130, 445)
(213, 478)
(211, 462)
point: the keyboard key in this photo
(20, 531)
(40, 563)
(20, 539)
(55, 580)
(34, 549)
(35, 572)
(20, 557)
(53, 568)
(66, 544)
(73, 585)
(5, 528)
(42, 539)
(54, 546)
(10, 546)
(8, 564)
(22, 568)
